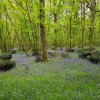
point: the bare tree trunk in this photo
(92, 20)
(82, 22)
(55, 30)
(42, 31)
(70, 29)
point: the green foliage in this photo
(6, 56)
(94, 57)
(20, 22)
(38, 58)
(51, 54)
(64, 55)
(71, 49)
(84, 54)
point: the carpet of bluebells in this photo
(58, 79)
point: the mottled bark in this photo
(42, 31)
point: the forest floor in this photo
(58, 79)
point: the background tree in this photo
(42, 31)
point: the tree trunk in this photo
(70, 28)
(42, 31)
(82, 22)
(55, 31)
(92, 20)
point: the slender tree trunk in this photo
(82, 22)
(42, 31)
(55, 30)
(92, 20)
(1, 32)
(70, 32)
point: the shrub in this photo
(85, 48)
(53, 48)
(38, 58)
(6, 56)
(6, 65)
(94, 59)
(60, 49)
(14, 50)
(84, 54)
(79, 50)
(36, 52)
(33, 54)
(64, 55)
(96, 52)
(71, 50)
(51, 54)
(92, 56)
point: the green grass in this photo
(54, 80)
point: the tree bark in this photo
(70, 28)
(92, 20)
(42, 31)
